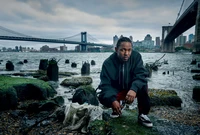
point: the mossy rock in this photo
(164, 97)
(14, 89)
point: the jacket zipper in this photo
(123, 75)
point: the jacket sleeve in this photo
(139, 79)
(108, 93)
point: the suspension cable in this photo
(13, 32)
(180, 10)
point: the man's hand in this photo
(116, 107)
(130, 96)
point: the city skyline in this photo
(115, 38)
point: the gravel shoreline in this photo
(176, 121)
(166, 120)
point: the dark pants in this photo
(142, 98)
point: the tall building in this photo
(147, 42)
(115, 39)
(191, 38)
(157, 41)
(63, 48)
(181, 40)
(148, 37)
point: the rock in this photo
(14, 89)
(44, 78)
(159, 97)
(60, 113)
(59, 100)
(77, 81)
(20, 62)
(33, 107)
(85, 94)
(48, 106)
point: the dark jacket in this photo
(116, 76)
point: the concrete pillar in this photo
(166, 46)
(83, 40)
(196, 48)
(169, 47)
(83, 47)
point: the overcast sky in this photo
(102, 19)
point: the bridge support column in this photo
(84, 37)
(83, 47)
(196, 48)
(169, 47)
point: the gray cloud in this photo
(100, 18)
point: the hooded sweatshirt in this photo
(117, 76)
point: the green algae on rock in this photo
(14, 89)
(164, 97)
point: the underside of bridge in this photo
(188, 19)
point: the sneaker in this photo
(114, 115)
(145, 121)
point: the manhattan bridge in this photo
(83, 39)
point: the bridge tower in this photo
(167, 46)
(84, 41)
(196, 48)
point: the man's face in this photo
(124, 51)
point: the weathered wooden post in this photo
(196, 93)
(67, 61)
(52, 70)
(85, 70)
(43, 64)
(9, 66)
(73, 65)
(25, 61)
(93, 62)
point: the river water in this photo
(178, 75)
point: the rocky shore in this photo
(45, 115)
(166, 120)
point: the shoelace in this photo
(145, 117)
